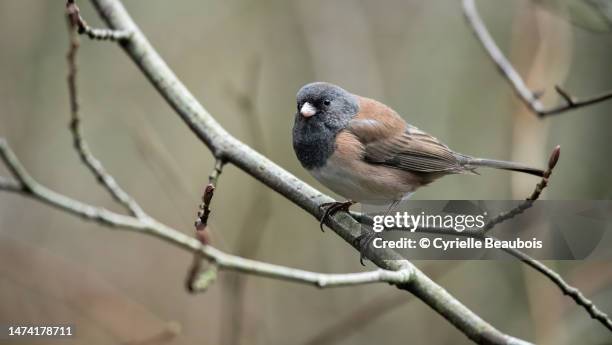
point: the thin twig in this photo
(527, 203)
(553, 276)
(548, 272)
(79, 142)
(201, 222)
(201, 276)
(28, 186)
(35, 190)
(566, 288)
(81, 26)
(213, 178)
(204, 209)
(530, 98)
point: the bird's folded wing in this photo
(406, 148)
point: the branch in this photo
(31, 188)
(201, 222)
(204, 209)
(502, 217)
(26, 185)
(566, 288)
(199, 277)
(75, 20)
(79, 142)
(549, 273)
(530, 98)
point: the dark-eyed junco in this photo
(364, 151)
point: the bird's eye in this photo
(327, 102)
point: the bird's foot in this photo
(363, 243)
(331, 208)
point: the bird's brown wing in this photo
(389, 141)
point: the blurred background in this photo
(245, 60)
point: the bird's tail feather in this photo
(505, 165)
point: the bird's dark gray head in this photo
(323, 110)
(326, 102)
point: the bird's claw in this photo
(332, 207)
(363, 242)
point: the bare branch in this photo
(552, 162)
(548, 272)
(566, 288)
(79, 142)
(530, 98)
(150, 226)
(29, 187)
(75, 20)
(201, 222)
(213, 178)
(204, 211)
(200, 277)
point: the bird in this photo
(366, 152)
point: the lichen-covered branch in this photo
(530, 98)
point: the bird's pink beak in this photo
(308, 110)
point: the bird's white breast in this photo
(357, 184)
